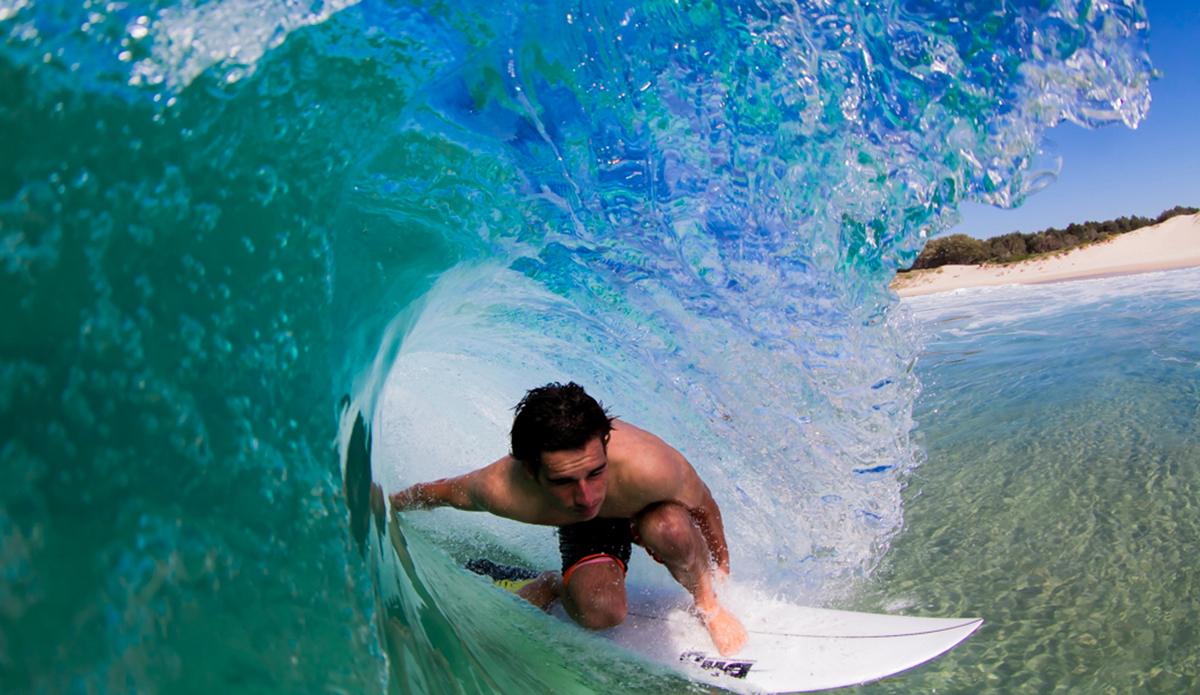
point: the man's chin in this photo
(586, 514)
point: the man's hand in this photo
(726, 631)
(405, 499)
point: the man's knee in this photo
(598, 607)
(595, 595)
(601, 615)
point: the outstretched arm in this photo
(446, 492)
(496, 488)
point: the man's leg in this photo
(592, 585)
(668, 530)
(594, 595)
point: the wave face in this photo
(220, 216)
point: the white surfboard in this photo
(790, 648)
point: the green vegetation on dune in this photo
(960, 249)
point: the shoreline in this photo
(1172, 245)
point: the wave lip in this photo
(190, 38)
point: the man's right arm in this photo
(496, 489)
(447, 492)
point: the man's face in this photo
(576, 479)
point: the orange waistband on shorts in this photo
(589, 560)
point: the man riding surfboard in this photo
(606, 484)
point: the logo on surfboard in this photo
(717, 667)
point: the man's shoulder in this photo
(648, 468)
(628, 436)
(495, 484)
(509, 492)
(641, 448)
(500, 477)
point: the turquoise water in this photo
(263, 261)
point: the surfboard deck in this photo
(790, 648)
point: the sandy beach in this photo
(1172, 244)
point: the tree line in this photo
(960, 249)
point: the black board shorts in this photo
(593, 539)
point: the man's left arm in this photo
(667, 476)
(707, 516)
(695, 496)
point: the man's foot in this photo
(542, 591)
(726, 630)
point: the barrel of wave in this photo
(446, 404)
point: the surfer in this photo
(606, 484)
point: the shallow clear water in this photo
(1059, 498)
(256, 253)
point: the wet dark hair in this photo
(556, 417)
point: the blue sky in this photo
(1115, 171)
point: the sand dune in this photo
(1172, 244)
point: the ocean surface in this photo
(1060, 491)
(264, 261)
